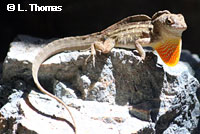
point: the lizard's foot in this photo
(93, 53)
(140, 60)
(93, 59)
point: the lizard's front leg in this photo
(138, 45)
(102, 46)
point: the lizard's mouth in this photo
(169, 51)
(182, 27)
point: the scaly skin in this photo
(162, 32)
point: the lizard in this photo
(162, 32)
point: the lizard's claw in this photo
(93, 59)
(93, 53)
(140, 60)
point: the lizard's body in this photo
(162, 32)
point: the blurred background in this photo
(80, 17)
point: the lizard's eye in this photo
(169, 21)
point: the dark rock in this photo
(193, 60)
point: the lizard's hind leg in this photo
(104, 47)
(93, 54)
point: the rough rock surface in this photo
(117, 96)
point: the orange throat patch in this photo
(169, 50)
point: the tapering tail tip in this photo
(170, 51)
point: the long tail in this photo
(68, 43)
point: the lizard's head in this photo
(169, 24)
(169, 28)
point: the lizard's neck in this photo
(169, 49)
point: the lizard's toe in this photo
(140, 60)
